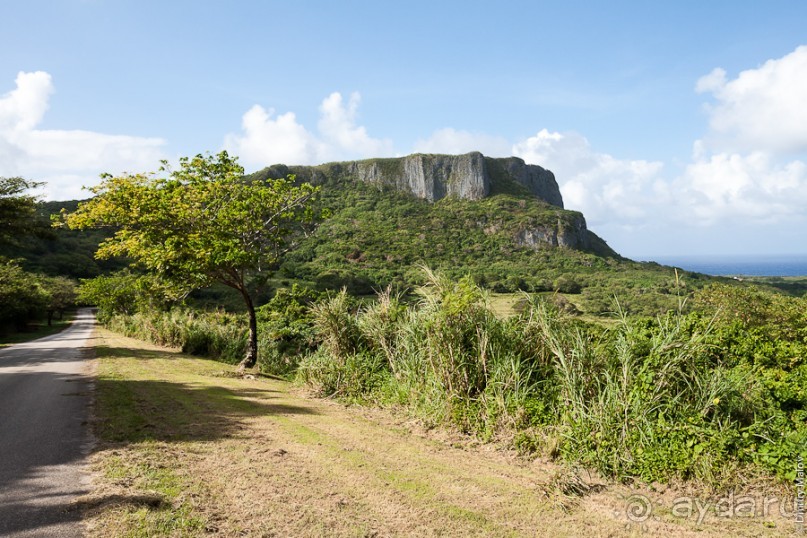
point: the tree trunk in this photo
(251, 356)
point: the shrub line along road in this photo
(44, 438)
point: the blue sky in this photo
(676, 127)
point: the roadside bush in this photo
(646, 401)
(355, 377)
(216, 335)
(286, 330)
(336, 325)
(23, 298)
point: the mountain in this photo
(471, 177)
(500, 221)
(432, 177)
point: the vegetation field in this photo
(186, 448)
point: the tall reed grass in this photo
(641, 399)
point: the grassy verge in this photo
(185, 448)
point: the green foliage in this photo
(127, 293)
(22, 296)
(27, 297)
(286, 330)
(644, 401)
(216, 335)
(17, 209)
(203, 223)
(355, 378)
(60, 251)
(376, 237)
(682, 395)
(335, 323)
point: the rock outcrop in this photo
(471, 176)
(570, 233)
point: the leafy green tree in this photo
(17, 210)
(60, 293)
(203, 223)
(124, 292)
(22, 296)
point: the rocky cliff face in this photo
(466, 177)
(571, 233)
(430, 177)
(471, 176)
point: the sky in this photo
(677, 128)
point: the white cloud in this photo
(744, 166)
(453, 141)
(762, 109)
(267, 140)
(64, 160)
(342, 136)
(754, 186)
(604, 188)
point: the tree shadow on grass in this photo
(149, 410)
(145, 354)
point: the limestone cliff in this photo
(471, 176)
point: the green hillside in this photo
(510, 239)
(61, 252)
(377, 236)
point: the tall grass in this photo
(216, 335)
(644, 398)
(645, 401)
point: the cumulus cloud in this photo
(746, 166)
(266, 139)
(753, 186)
(762, 109)
(453, 141)
(341, 135)
(64, 160)
(604, 188)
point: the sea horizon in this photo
(773, 265)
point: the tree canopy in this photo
(200, 223)
(17, 209)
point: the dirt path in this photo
(187, 449)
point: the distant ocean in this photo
(781, 265)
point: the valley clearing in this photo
(186, 448)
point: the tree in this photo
(123, 292)
(202, 223)
(60, 293)
(22, 296)
(17, 210)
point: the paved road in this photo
(44, 437)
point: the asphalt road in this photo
(45, 388)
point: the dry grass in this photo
(187, 449)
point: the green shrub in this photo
(353, 377)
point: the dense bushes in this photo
(679, 396)
(285, 327)
(216, 335)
